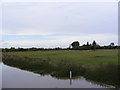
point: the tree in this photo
(112, 44)
(12, 49)
(88, 44)
(75, 44)
(94, 45)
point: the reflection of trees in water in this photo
(106, 74)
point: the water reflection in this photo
(70, 81)
(103, 73)
(106, 74)
(16, 78)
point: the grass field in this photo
(98, 65)
(86, 57)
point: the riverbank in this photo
(99, 65)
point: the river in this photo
(17, 78)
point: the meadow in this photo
(96, 65)
(86, 57)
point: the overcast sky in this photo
(57, 24)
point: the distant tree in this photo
(33, 49)
(88, 44)
(94, 45)
(75, 44)
(58, 48)
(112, 44)
(6, 50)
(20, 49)
(12, 49)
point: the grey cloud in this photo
(59, 18)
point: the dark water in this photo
(17, 78)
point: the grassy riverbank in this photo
(99, 65)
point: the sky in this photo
(58, 24)
(59, 0)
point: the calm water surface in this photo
(17, 78)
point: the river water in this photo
(17, 78)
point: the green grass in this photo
(86, 57)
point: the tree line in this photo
(92, 46)
(73, 46)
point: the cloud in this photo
(48, 24)
(0, 25)
(62, 41)
(0, 14)
(60, 0)
(59, 18)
